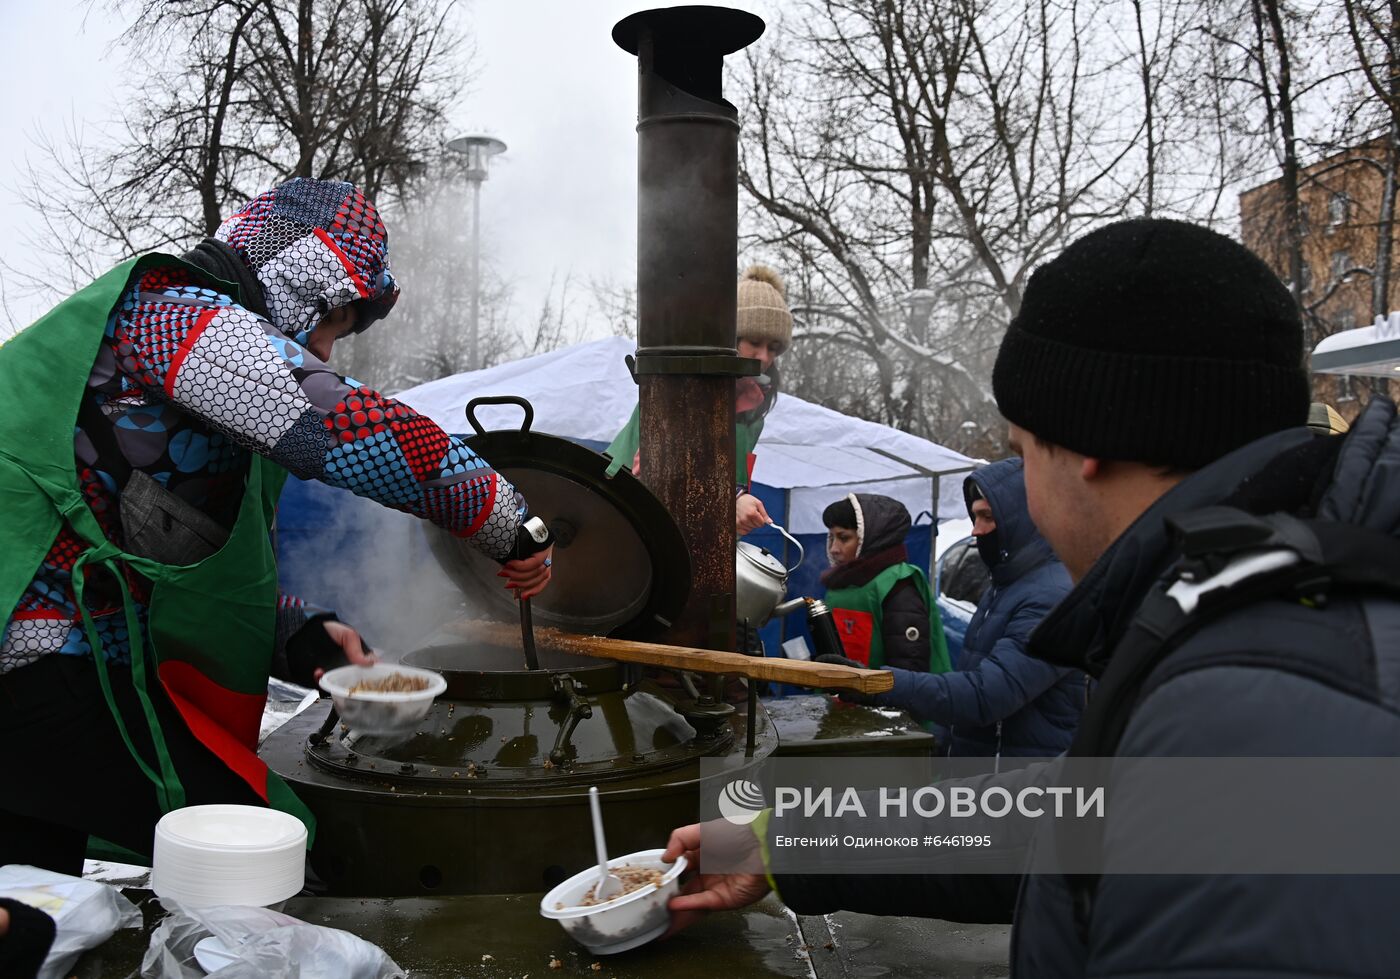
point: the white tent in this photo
(813, 453)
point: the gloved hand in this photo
(531, 565)
(532, 536)
(26, 934)
(323, 643)
(848, 696)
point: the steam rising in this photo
(373, 567)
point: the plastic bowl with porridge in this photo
(386, 698)
(633, 918)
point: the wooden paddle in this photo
(820, 675)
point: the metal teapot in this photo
(760, 580)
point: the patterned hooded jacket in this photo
(314, 246)
(188, 382)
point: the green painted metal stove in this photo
(489, 795)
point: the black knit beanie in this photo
(1153, 341)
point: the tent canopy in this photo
(813, 454)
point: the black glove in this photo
(309, 649)
(26, 944)
(531, 537)
(848, 696)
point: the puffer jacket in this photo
(1276, 677)
(1001, 701)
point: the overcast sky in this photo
(550, 83)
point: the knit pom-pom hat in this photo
(763, 311)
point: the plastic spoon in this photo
(609, 884)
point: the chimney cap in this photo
(708, 30)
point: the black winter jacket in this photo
(1232, 689)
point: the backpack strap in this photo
(1228, 559)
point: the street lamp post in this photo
(479, 150)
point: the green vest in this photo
(624, 448)
(211, 624)
(859, 613)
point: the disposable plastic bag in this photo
(85, 912)
(267, 945)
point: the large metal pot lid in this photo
(620, 563)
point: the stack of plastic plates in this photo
(208, 855)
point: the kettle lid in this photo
(763, 560)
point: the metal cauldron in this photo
(490, 794)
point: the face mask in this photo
(989, 546)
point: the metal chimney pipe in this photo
(687, 252)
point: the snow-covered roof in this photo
(1367, 350)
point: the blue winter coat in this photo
(1000, 700)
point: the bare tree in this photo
(426, 337)
(1373, 28)
(911, 161)
(1314, 118)
(241, 94)
(1273, 59)
(616, 305)
(558, 323)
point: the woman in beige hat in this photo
(764, 331)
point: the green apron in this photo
(859, 613)
(625, 446)
(212, 624)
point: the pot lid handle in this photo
(500, 399)
(801, 552)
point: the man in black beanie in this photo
(1147, 350)
(1236, 579)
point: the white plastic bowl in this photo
(381, 713)
(227, 854)
(624, 922)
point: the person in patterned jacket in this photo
(190, 386)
